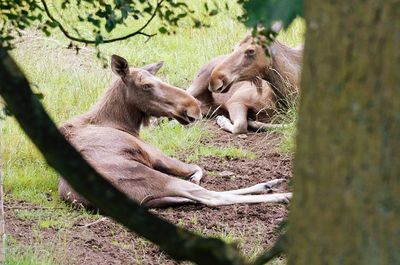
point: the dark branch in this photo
(59, 154)
(278, 249)
(86, 41)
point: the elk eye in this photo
(250, 52)
(147, 87)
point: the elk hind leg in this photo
(261, 188)
(168, 202)
(199, 194)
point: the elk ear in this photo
(277, 26)
(119, 66)
(154, 67)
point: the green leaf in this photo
(40, 96)
(206, 6)
(213, 12)
(110, 24)
(162, 30)
(64, 4)
(7, 111)
(51, 24)
(46, 31)
(95, 22)
(99, 39)
(266, 12)
(197, 23)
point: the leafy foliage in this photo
(267, 17)
(105, 16)
(102, 16)
(266, 12)
(17, 15)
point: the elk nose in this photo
(190, 118)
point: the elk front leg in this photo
(172, 166)
(238, 116)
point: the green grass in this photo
(288, 133)
(41, 252)
(288, 137)
(72, 83)
(174, 139)
(30, 256)
(230, 152)
(294, 35)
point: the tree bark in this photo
(346, 206)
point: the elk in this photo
(107, 136)
(249, 85)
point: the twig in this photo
(95, 222)
(86, 41)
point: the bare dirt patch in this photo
(251, 226)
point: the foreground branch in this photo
(278, 249)
(87, 41)
(59, 154)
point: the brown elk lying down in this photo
(107, 136)
(248, 85)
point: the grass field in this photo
(72, 83)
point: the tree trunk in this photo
(346, 207)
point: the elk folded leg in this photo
(172, 166)
(237, 122)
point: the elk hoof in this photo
(196, 177)
(222, 120)
(286, 197)
(273, 183)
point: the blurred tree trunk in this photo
(346, 208)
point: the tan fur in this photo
(281, 67)
(266, 82)
(107, 137)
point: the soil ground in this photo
(253, 227)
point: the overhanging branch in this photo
(88, 41)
